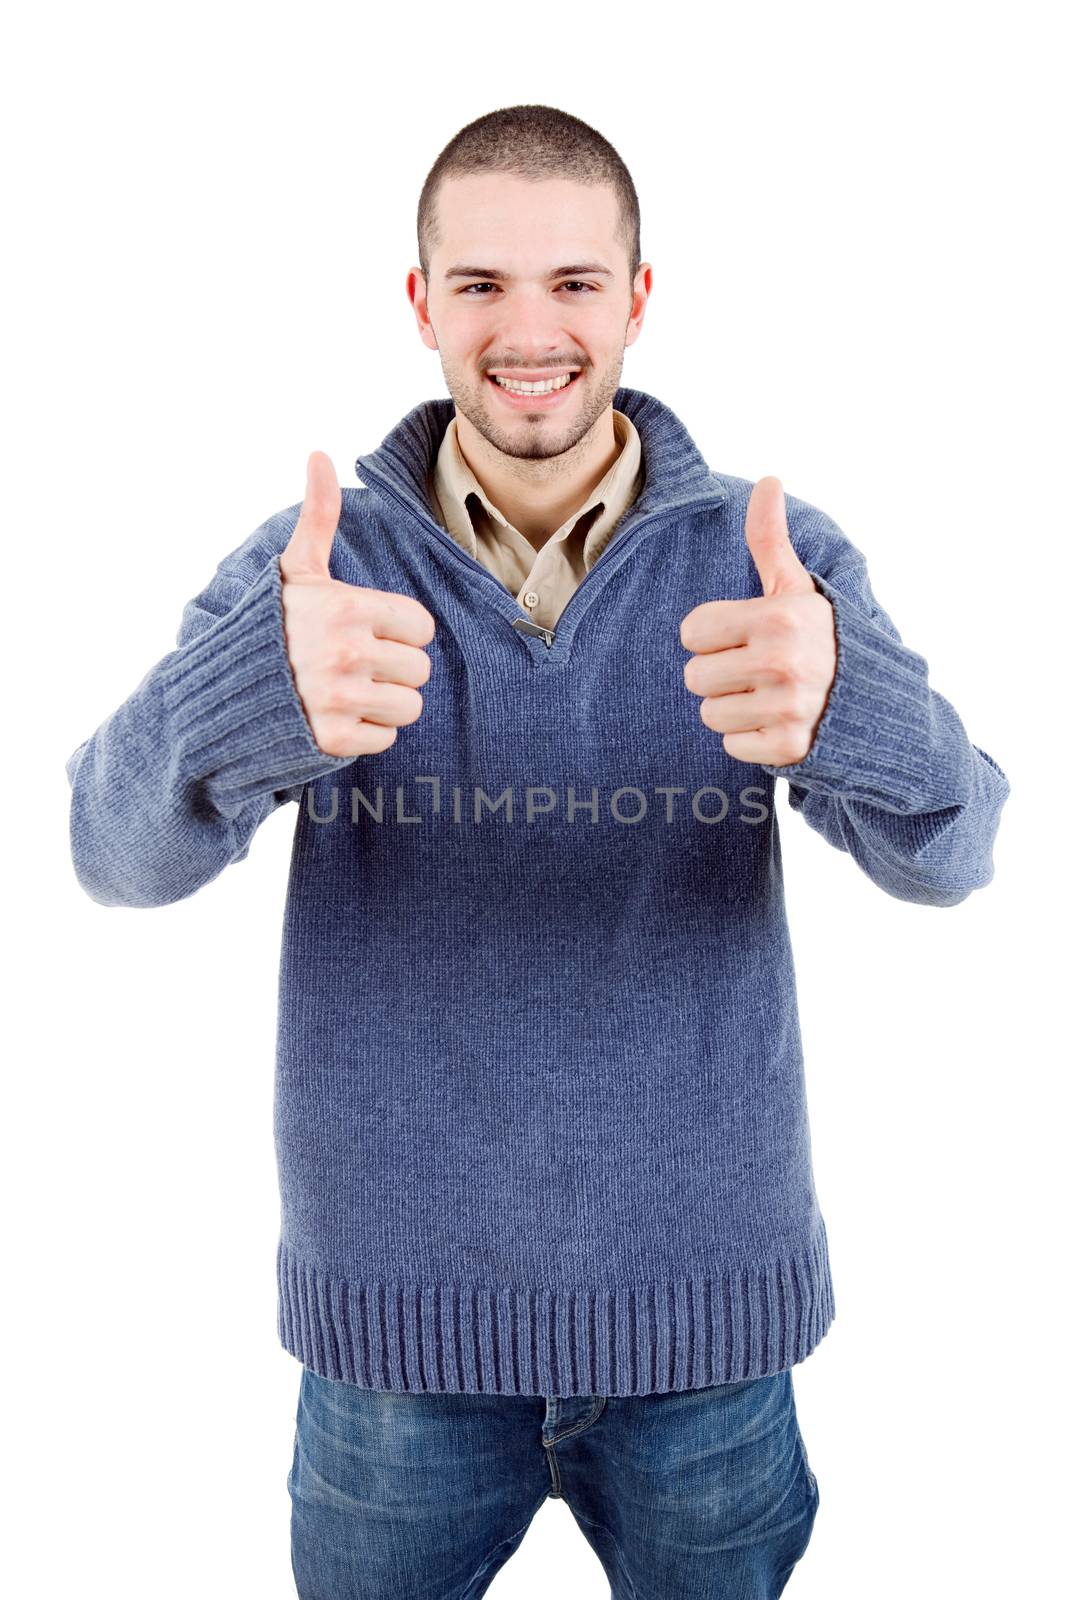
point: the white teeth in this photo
(546, 386)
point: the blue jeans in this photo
(703, 1494)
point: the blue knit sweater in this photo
(540, 1112)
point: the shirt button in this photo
(530, 598)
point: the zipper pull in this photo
(524, 625)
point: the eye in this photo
(573, 284)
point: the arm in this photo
(891, 776)
(170, 789)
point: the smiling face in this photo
(529, 281)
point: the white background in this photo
(852, 218)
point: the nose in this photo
(530, 334)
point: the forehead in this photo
(496, 214)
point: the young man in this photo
(549, 1226)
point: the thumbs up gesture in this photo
(355, 652)
(764, 667)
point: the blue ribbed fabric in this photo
(540, 1113)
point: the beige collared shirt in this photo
(542, 581)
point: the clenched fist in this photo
(355, 653)
(764, 667)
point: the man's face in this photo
(510, 310)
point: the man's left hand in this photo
(764, 667)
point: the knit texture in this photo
(540, 1112)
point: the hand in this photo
(764, 666)
(354, 652)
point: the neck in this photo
(538, 496)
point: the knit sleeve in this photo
(170, 789)
(892, 776)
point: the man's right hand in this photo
(354, 652)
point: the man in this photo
(548, 1219)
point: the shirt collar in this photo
(454, 482)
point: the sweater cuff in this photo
(234, 718)
(874, 739)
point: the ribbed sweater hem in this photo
(459, 1338)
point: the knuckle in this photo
(783, 621)
(348, 654)
(783, 668)
(338, 698)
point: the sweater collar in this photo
(676, 474)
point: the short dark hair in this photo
(532, 142)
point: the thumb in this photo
(308, 552)
(767, 534)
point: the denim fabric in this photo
(701, 1495)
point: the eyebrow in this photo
(583, 269)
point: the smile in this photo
(525, 395)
